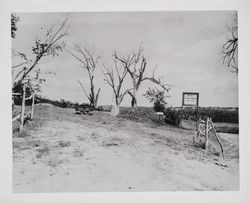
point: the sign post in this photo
(191, 99)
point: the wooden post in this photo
(206, 133)
(196, 117)
(13, 105)
(23, 109)
(32, 106)
(218, 139)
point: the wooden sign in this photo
(190, 99)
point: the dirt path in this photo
(70, 153)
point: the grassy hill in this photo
(60, 151)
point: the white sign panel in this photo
(190, 99)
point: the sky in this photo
(186, 46)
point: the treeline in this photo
(60, 103)
(68, 104)
(220, 115)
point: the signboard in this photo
(190, 99)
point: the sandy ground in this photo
(63, 152)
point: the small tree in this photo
(89, 61)
(114, 77)
(49, 43)
(157, 97)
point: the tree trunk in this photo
(206, 134)
(116, 107)
(134, 99)
(134, 93)
(115, 110)
(96, 98)
(92, 92)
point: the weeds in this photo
(54, 162)
(23, 134)
(78, 152)
(64, 143)
(44, 151)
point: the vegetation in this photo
(14, 20)
(89, 61)
(142, 114)
(136, 64)
(49, 43)
(61, 103)
(113, 74)
(230, 47)
(158, 98)
(220, 115)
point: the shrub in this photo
(100, 108)
(158, 98)
(107, 108)
(144, 114)
(159, 107)
(172, 116)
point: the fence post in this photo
(13, 105)
(206, 132)
(32, 106)
(23, 108)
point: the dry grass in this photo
(78, 152)
(43, 151)
(63, 143)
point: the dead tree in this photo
(89, 61)
(230, 48)
(49, 43)
(136, 64)
(114, 77)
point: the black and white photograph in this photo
(124, 101)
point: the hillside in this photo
(60, 151)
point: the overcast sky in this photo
(186, 46)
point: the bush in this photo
(143, 114)
(172, 116)
(18, 99)
(158, 98)
(100, 108)
(159, 107)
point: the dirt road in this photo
(64, 152)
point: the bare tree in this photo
(49, 43)
(89, 61)
(230, 48)
(136, 64)
(114, 77)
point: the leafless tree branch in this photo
(89, 61)
(230, 47)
